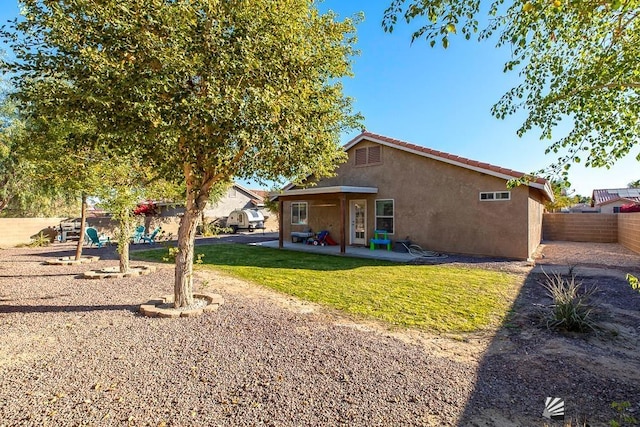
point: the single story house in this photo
(610, 201)
(236, 197)
(437, 200)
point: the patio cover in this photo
(336, 192)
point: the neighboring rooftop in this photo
(603, 197)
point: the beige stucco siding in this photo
(436, 205)
(536, 212)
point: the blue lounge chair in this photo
(94, 238)
(151, 239)
(138, 234)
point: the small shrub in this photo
(40, 240)
(634, 282)
(623, 418)
(570, 309)
(172, 252)
(213, 229)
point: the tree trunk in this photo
(183, 290)
(83, 220)
(124, 257)
(126, 227)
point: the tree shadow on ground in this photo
(65, 308)
(526, 362)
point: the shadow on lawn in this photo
(526, 363)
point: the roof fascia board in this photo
(247, 191)
(326, 190)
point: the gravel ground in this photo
(76, 352)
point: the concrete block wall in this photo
(17, 231)
(580, 227)
(629, 230)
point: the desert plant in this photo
(623, 417)
(634, 282)
(172, 252)
(40, 240)
(570, 309)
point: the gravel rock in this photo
(77, 352)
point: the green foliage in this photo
(272, 206)
(201, 91)
(213, 229)
(570, 310)
(634, 184)
(634, 282)
(24, 188)
(623, 418)
(172, 252)
(438, 298)
(561, 198)
(40, 240)
(590, 79)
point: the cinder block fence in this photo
(623, 228)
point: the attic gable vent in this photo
(368, 155)
(373, 156)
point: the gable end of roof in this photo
(486, 168)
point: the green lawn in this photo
(439, 298)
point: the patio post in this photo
(280, 223)
(343, 221)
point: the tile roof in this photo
(487, 168)
(605, 196)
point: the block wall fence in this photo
(629, 231)
(19, 231)
(623, 228)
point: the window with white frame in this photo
(495, 195)
(384, 215)
(299, 212)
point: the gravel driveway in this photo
(76, 352)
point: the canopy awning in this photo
(299, 193)
(336, 192)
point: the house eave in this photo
(313, 191)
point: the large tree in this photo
(579, 61)
(202, 90)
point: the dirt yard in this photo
(77, 352)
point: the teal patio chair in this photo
(94, 238)
(151, 239)
(138, 235)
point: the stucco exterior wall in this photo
(436, 205)
(536, 212)
(608, 208)
(629, 230)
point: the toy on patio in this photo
(321, 239)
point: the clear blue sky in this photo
(441, 99)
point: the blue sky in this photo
(441, 99)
